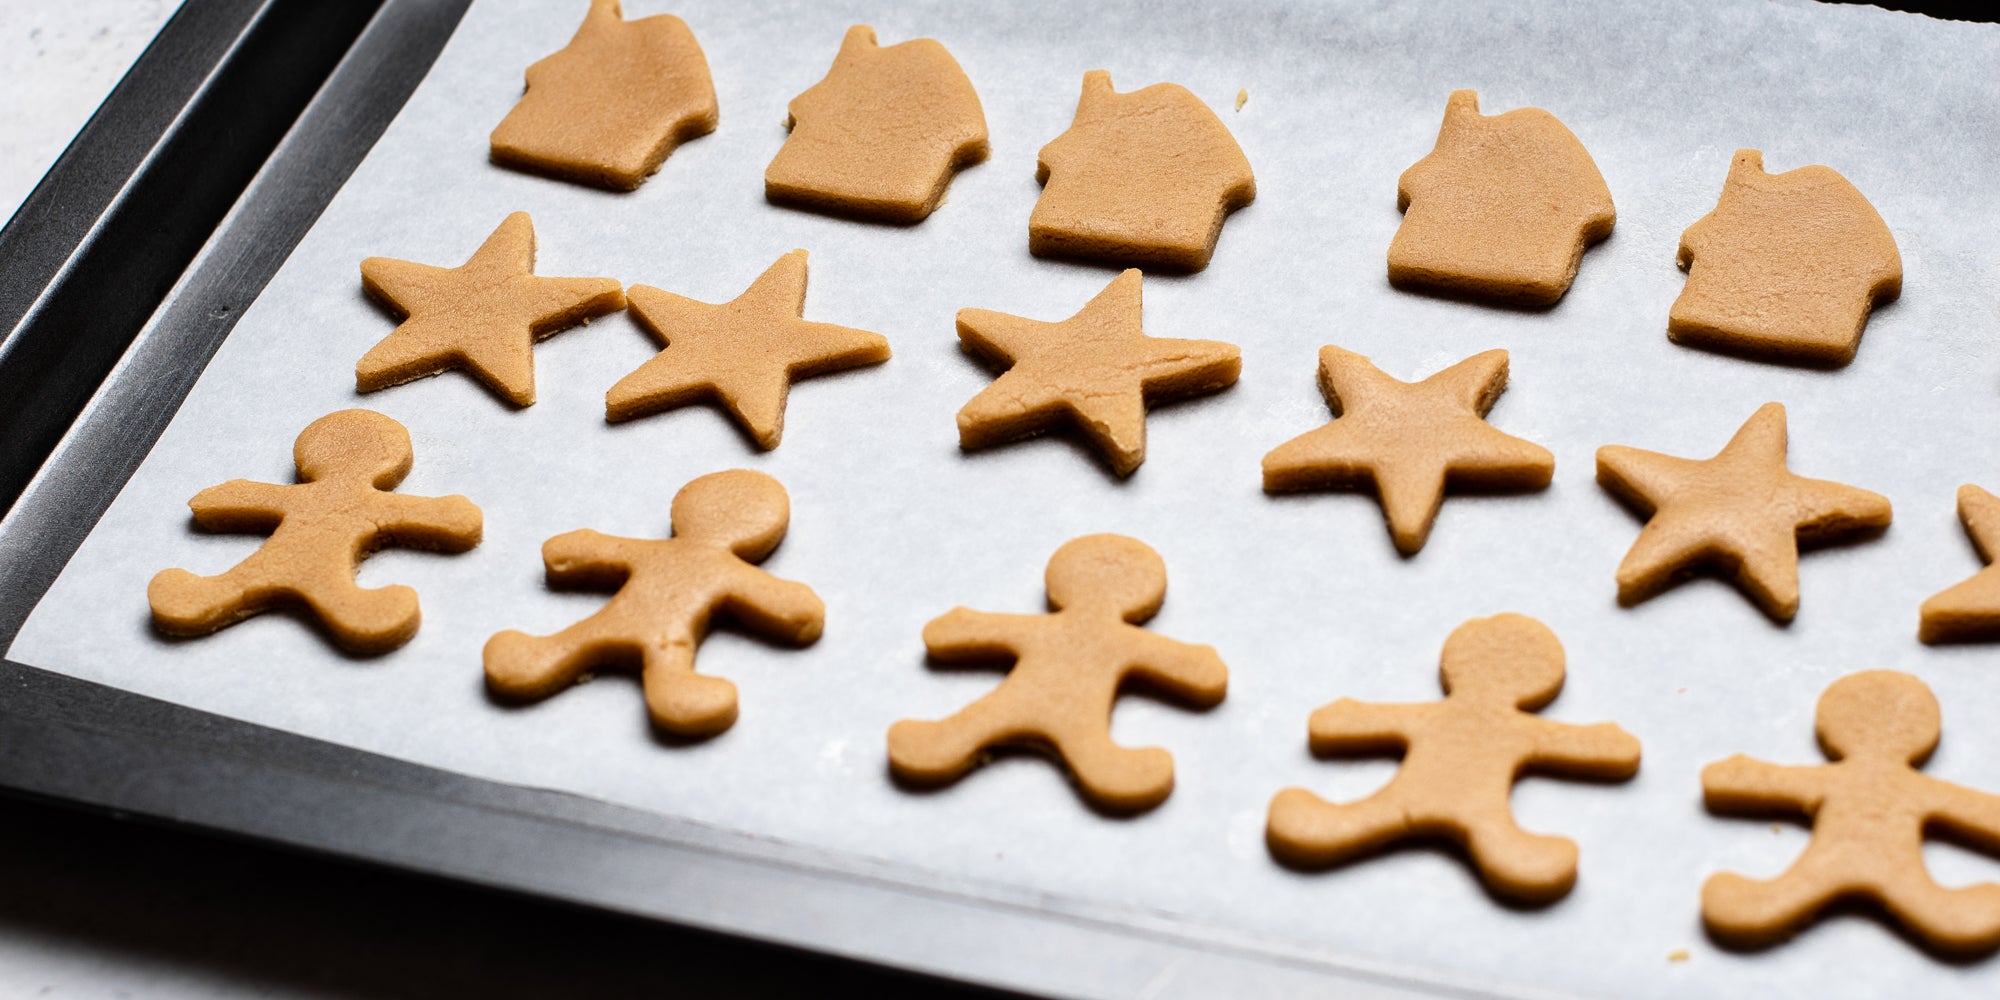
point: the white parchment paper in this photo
(1303, 595)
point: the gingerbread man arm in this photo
(586, 559)
(1603, 750)
(1970, 816)
(447, 524)
(769, 605)
(241, 505)
(1359, 727)
(965, 634)
(1742, 784)
(1188, 671)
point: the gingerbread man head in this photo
(741, 510)
(354, 443)
(1109, 572)
(1878, 715)
(1508, 658)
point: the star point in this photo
(743, 354)
(1969, 611)
(1741, 513)
(483, 316)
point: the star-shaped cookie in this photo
(743, 354)
(483, 316)
(1409, 440)
(1096, 370)
(1741, 512)
(1969, 610)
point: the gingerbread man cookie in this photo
(1787, 267)
(1870, 810)
(321, 528)
(1501, 210)
(1141, 179)
(743, 354)
(1408, 441)
(667, 592)
(1461, 757)
(881, 136)
(1742, 512)
(483, 315)
(1068, 667)
(607, 108)
(1970, 609)
(1097, 370)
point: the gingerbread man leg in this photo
(1307, 831)
(1749, 912)
(362, 621)
(934, 752)
(1115, 777)
(1531, 867)
(681, 701)
(1966, 919)
(187, 604)
(531, 667)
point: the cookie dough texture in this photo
(321, 528)
(742, 354)
(1408, 441)
(881, 136)
(1787, 267)
(607, 108)
(1068, 667)
(1501, 209)
(1742, 513)
(666, 594)
(1870, 810)
(483, 316)
(1969, 610)
(1096, 370)
(1461, 758)
(1142, 179)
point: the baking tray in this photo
(1672, 670)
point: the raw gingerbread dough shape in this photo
(743, 354)
(321, 528)
(1870, 810)
(1096, 370)
(667, 591)
(1068, 668)
(1501, 210)
(1408, 440)
(1969, 610)
(1786, 268)
(1461, 758)
(881, 136)
(1141, 179)
(483, 316)
(607, 108)
(1741, 512)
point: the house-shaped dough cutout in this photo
(1140, 180)
(880, 137)
(607, 108)
(1786, 268)
(1501, 210)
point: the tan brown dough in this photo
(1501, 210)
(483, 316)
(667, 592)
(321, 528)
(881, 136)
(1969, 610)
(1068, 669)
(1408, 440)
(607, 108)
(1870, 810)
(1141, 179)
(1096, 370)
(743, 354)
(1786, 268)
(1741, 512)
(1461, 757)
